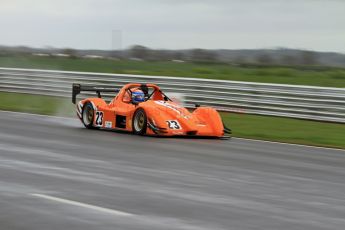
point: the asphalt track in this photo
(55, 174)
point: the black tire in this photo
(87, 115)
(139, 122)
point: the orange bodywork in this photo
(164, 117)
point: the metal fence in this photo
(306, 102)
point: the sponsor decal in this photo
(108, 124)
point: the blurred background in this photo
(250, 32)
(294, 42)
(272, 41)
(274, 70)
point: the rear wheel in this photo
(139, 123)
(88, 115)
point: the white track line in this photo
(284, 143)
(79, 204)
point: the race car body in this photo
(153, 114)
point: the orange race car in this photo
(145, 109)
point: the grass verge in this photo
(38, 104)
(299, 75)
(247, 126)
(287, 130)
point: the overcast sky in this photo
(174, 24)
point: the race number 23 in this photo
(173, 124)
(99, 118)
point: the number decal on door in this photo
(99, 118)
(173, 124)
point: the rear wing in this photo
(77, 88)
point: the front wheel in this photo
(88, 115)
(139, 122)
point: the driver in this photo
(138, 96)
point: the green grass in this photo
(247, 126)
(36, 104)
(286, 130)
(331, 77)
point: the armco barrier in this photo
(306, 102)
